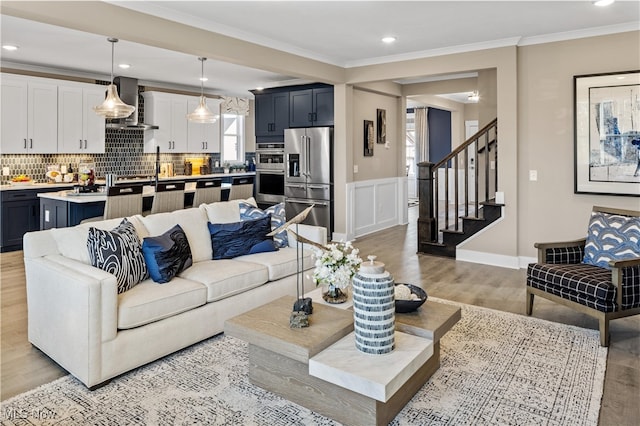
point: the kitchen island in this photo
(65, 208)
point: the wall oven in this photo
(269, 186)
(270, 172)
(270, 156)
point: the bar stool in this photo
(121, 201)
(207, 191)
(169, 196)
(241, 188)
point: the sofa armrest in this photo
(314, 234)
(565, 251)
(72, 309)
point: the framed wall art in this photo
(382, 125)
(369, 138)
(607, 133)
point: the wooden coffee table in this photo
(279, 357)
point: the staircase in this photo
(457, 194)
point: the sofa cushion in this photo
(194, 224)
(229, 240)
(226, 277)
(225, 211)
(118, 252)
(281, 263)
(72, 241)
(166, 255)
(611, 237)
(148, 301)
(278, 218)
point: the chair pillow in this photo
(611, 237)
(229, 240)
(278, 219)
(167, 255)
(118, 252)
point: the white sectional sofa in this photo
(77, 317)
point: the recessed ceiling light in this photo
(124, 66)
(603, 3)
(10, 47)
(388, 40)
(203, 79)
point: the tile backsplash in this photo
(123, 156)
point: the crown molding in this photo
(588, 32)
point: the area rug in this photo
(497, 368)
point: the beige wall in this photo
(384, 162)
(488, 102)
(548, 208)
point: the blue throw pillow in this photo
(118, 252)
(229, 240)
(167, 255)
(611, 237)
(278, 218)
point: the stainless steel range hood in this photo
(128, 91)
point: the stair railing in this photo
(486, 144)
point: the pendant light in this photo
(202, 114)
(113, 107)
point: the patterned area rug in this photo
(497, 368)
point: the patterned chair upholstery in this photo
(598, 275)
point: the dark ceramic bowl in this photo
(404, 306)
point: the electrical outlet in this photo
(533, 175)
(492, 164)
(355, 168)
(46, 215)
(5, 171)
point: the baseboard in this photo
(493, 259)
(526, 260)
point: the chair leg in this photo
(604, 331)
(529, 302)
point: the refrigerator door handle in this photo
(308, 202)
(308, 156)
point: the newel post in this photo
(426, 215)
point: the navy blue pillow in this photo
(167, 255)
(229, 240)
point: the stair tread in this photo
(471, 218)
(452, 231)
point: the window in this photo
(232, 149)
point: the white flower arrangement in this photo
(336, 265)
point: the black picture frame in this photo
(382, 125)
(607, 133)
(369, 137)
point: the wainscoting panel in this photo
(374, 205)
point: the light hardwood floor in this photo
(24, 367)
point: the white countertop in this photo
(92, 197)
(62, 185)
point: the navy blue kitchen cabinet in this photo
(271, 114)
(20, 214)
(311, 107)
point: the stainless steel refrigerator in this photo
(309, 174)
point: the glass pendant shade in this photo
(202, 114)
(113, 107)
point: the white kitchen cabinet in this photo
(168, 112)
(80, 129)
(203, 137)
(29, 116)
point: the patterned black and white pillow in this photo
(118, 252)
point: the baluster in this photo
(495, 154)
(466, 181)
(436, 201)
(446, 195)
(456, 196)
(476, 178)
(487, 167)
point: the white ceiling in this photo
(344, 33)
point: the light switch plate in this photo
(5, 171)
(46, 215)
(355, 168)
(533, 175)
